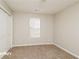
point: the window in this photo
(35, 27)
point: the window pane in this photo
(35, 27)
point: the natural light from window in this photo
(34, 27)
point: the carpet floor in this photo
(38, 52)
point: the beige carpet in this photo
(38, 52)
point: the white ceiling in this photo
(39, 6)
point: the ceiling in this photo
(39, 6)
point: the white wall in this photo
(5, 32)
(6, 24)
(66, 29)
(21, 29)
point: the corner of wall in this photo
(66, 50)
(4, 6)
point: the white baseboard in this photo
(33, 44)
(66, 50)
(50, 44)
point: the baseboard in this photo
(66, 50)
(50, 44)
(33, 44)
